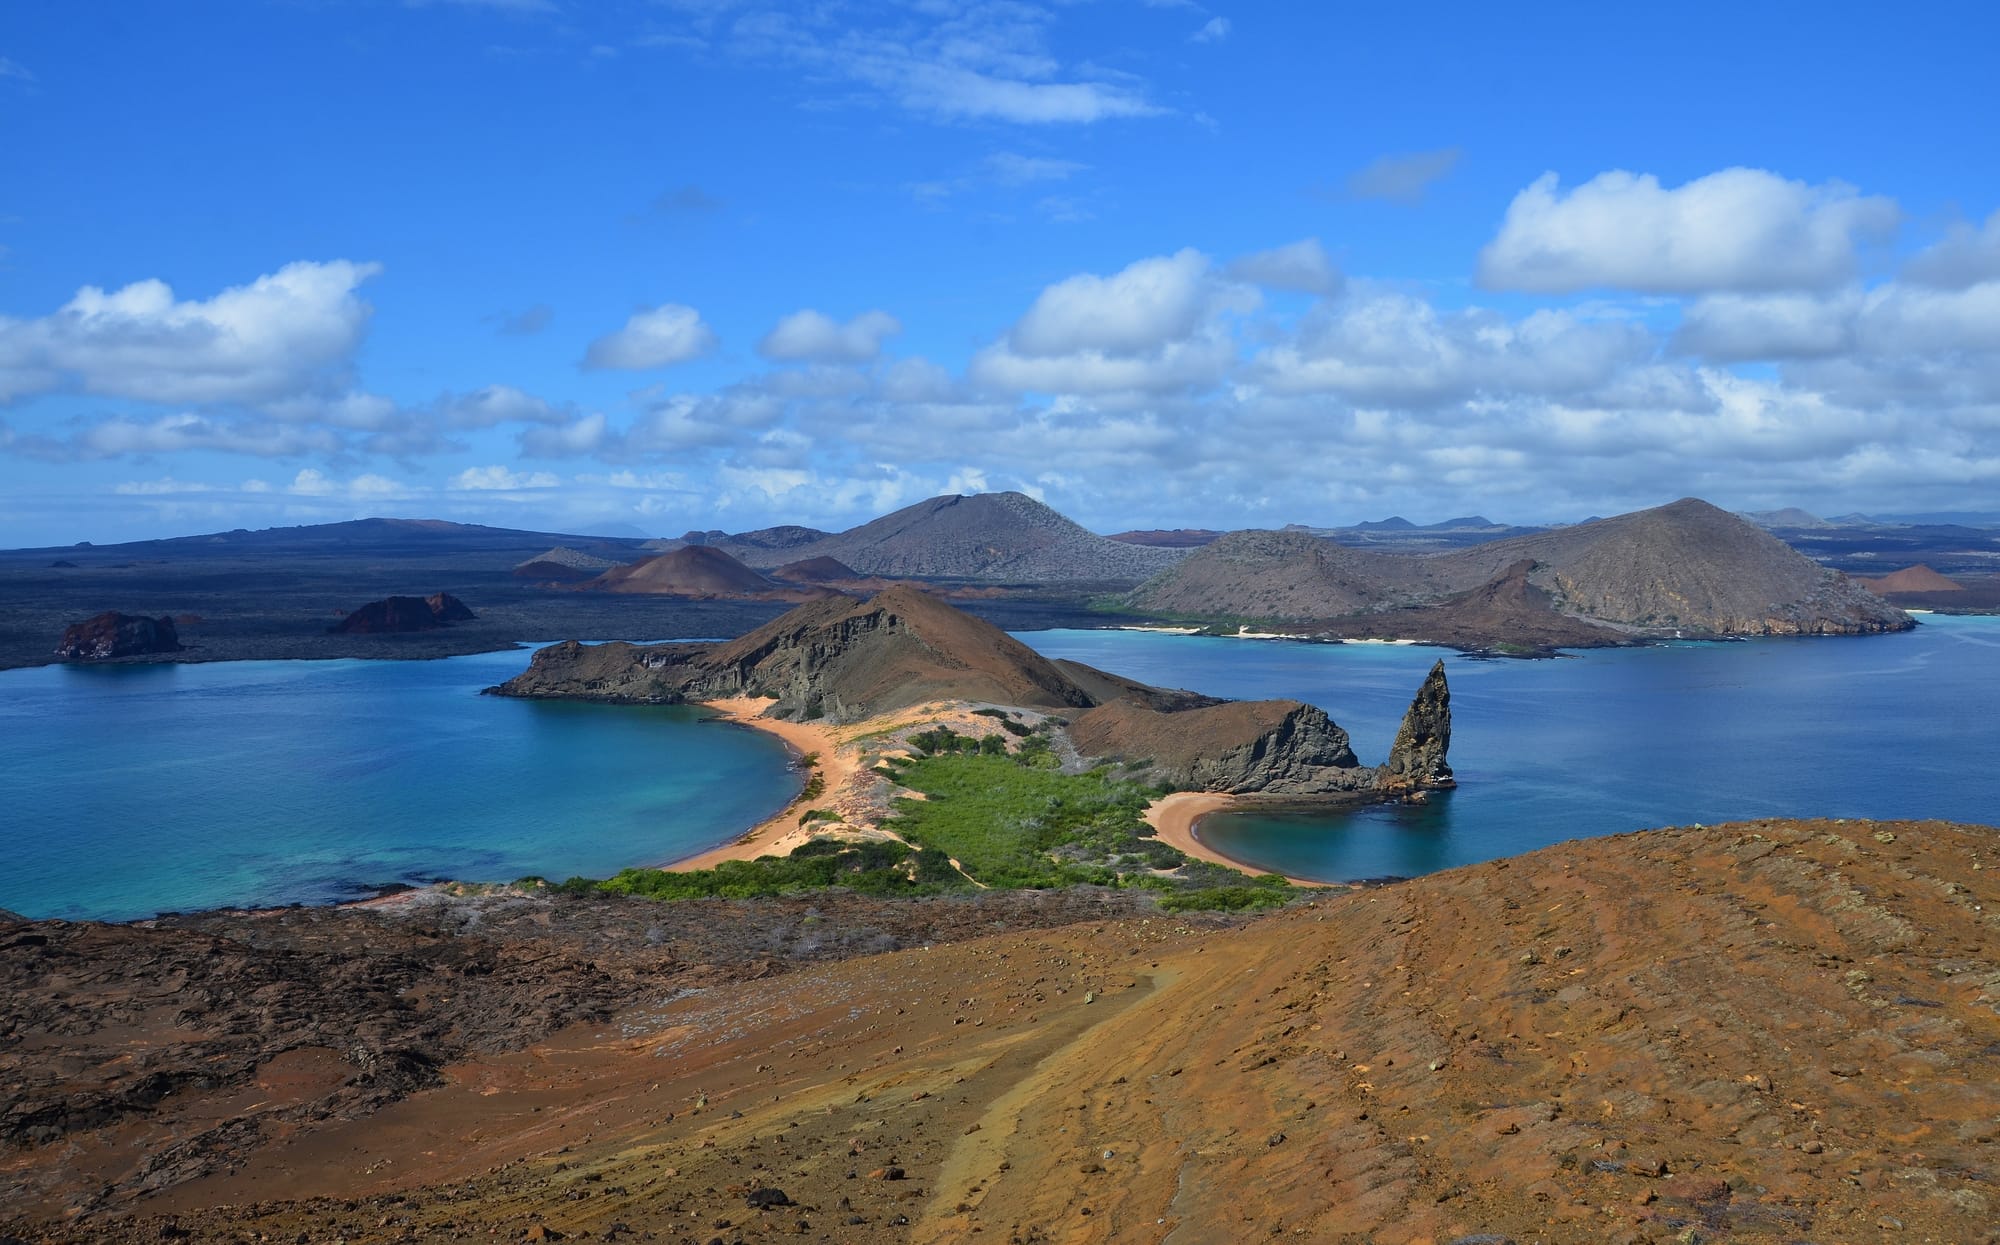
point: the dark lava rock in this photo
(112, 634)
(1417, 758)
(765, 1199)
(394, 615)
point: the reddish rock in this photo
(393, 615)
(112, 634)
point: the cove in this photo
(130, 790)
(1609, 740)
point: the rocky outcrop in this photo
(398, 615)
(834, 658)
(1417, 760)
(112, 634)
(563, 564)
(1274, 747)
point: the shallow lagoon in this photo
(1610, 740)
(133, 789)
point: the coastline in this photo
(780, 833)
(1174, 818)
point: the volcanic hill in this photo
(995, 537)
(696, 571)
(397, 615)
(1686, 568)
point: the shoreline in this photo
(1174, 819)
(780, 833)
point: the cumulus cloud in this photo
(656, 338)
(121, 437)
(1738, 327)
(314, 483)
(497, 478)
(1966, 255)
(1404, 177)
(1739, 229)
(1303, 266)
(813, 336)
(1153, 327)
(1140, 308)
(1384, 348)
(498, 404)
(280, 335)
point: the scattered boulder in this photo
(112, 634)
(394, 615)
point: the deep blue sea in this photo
(131, 790)
(1607, 741)
(134, 789)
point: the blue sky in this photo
(555, 264)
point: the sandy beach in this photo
(1173, 820)
(782, 833)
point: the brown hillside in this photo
(1765, 1032)
(1507, 609)
(1682, 569)
(1688, 567)
(1918, 578)
(692, 571)
(846, 659)
(816, 571)
(1285, 576)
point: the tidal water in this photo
(130, 790)
(1602, 742)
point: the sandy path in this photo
(1173, 821)
(782, 833)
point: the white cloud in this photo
(1302, 265)
(1215, 30)
(165, 486)
(660, 337)
(1013, 169)
(15, 70)
(953, 63)
(1964, 256)
(366, 487)
(1403, 177)
(1141, 308)
(1383, 348)
(812, 336)
(276, 337)
(586, 435)
(497, 477)
(1739, 229)
(1736, 327)
(174, 434)
(498, 404)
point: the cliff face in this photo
(1279, 747)
(1417, 758)
(112, 634)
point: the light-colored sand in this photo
(782, 833)
(1173, 819)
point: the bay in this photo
(129, 790)
(1606, 741)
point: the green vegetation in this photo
(872, 868)
(1009, 820)
(1014, 825)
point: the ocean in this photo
(130, 790)
(1609, 740)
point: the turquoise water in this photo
(130, 790)
(1608, 741)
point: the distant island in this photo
(1686, 570)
